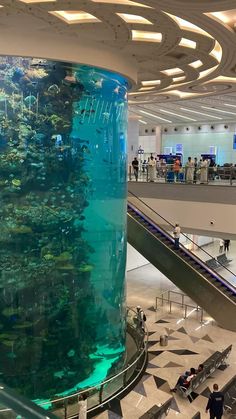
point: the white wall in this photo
(134, 259)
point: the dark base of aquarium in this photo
(62, 327)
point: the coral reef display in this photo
(62, 221)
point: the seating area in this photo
(210, 365)
(158, 412)
(218, 262)
(229, 391)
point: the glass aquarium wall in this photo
(63, 225)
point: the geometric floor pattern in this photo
(188, 346)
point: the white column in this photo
(133, 139)
(158, 139)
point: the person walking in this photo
(135, 165)
(176, 234)
(176, 169)
(215, 403)
(189, 170)
(83, 404)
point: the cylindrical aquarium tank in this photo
(63, 225)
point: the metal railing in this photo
(98, 395)
(165, 297)
(203, 254)
(225, 175)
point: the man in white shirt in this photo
(176, 233)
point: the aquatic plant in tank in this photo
(62, 219)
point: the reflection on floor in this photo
(189, 344)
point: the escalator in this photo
(188, 272)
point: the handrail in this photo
(223, 280)
(168, 222)
(142, 348)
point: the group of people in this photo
(193, 169)
(215, 404)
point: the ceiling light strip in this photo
(175, 114)
(218, 110)
(155, 116)
(200, 113)
(142, 122)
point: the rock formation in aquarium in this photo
(62, 155)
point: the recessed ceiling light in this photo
(37, 1)
(155, 116)
(146, 36)
(186, 25)
(134, 19)
(123, 2)
(177, 79)
(172, 71)
(224, 17)
(75, 16)
(200, 113)
(146, 88)
(218, 110)
(150, 82)
(206, 72)
(196, 64)
(187, 43)
(217, 52)
(176, 114)
(142, 122)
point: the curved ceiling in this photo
(176, 49)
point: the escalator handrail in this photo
(168, 222)
(222, 280)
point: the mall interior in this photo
(117, 188)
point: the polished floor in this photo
(190, 343)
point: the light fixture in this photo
(175, 114)
(146, 36)
(123, 2)
(207, 72)
(150, 82)
(134, 18)
(187, 43)
(142, 122)
(225, 16)
(218, 110)
(146, 88)
(229, 104)
(217, 52)
(200, 113)
(172, 71)
(155, 116)
(186, 25)
(37, 1)
(196, 64)
(177, 79)
(75, 16)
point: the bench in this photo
(158, 412)
(212, 263)
(229, 391)
(210, 365)
(223, 260)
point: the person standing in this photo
(176, 168)
(189, 170)
(195, 170)
(176, 234)
(141, 316)
(226, 245)
(215, 403)
(83, 404)
(151, 168)
(135, 166)
(221, 247)
(204, 171)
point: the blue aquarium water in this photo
(63, 225)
